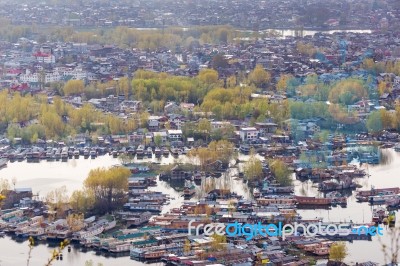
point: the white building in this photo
(76, 73)
(45, 58)
(29, 77)
(175, 134)
(248, 133)
(220, 124)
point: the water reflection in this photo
(386, 156)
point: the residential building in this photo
(248, 133)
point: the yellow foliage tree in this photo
(259, 77)
(253, 167)
(208, 76)
(74, 87)
(338, 251)
(109, 187)
(75, 222)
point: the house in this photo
(277, 99)
(313, 127)
(188, 107)
(175, 121)
(136, 138)
(162, 135)
(396, 80)
(131, 106)
(171, 107)
(266, 128)
(45, 58)
(154, 123)
(361, 108)
(219, 124)
(248, 133)
(174, 134)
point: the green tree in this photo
(204, 127)
(218, 243)
(281, 172)
(187, 246)
(253, 168)
(338, 251)
(158, 140)
(374, 122)
(82, 201)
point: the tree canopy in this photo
(109, 187)
(338, 251)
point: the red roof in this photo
(14, 71)
(19, 87)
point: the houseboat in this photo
(155, 252)
(64, 154)
(114, 153)
(175, 152)
(49, 154)
(397, 148)
(143, 207)
(288, 201)
(334, 184)
(312, 201)
(197, 176)
(382, 197)
(58, 154)
(157, 152)
(136, 219)
(71, 152)
(363, 195)
(165, 151)
(95, 229)
(3, 162)
(149, 152)
(86, 153)
(93, 153)
(336, 198)
(131, 151)
(119, 248)
(140, 151)
(378, 215)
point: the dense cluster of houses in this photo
(27, 64)
(244, 14)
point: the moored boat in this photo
(312, 200)
(3, 162)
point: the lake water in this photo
(45, 176)
(381, 176)
(292, 33)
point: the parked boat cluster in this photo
(61, 152)
(22, 224)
